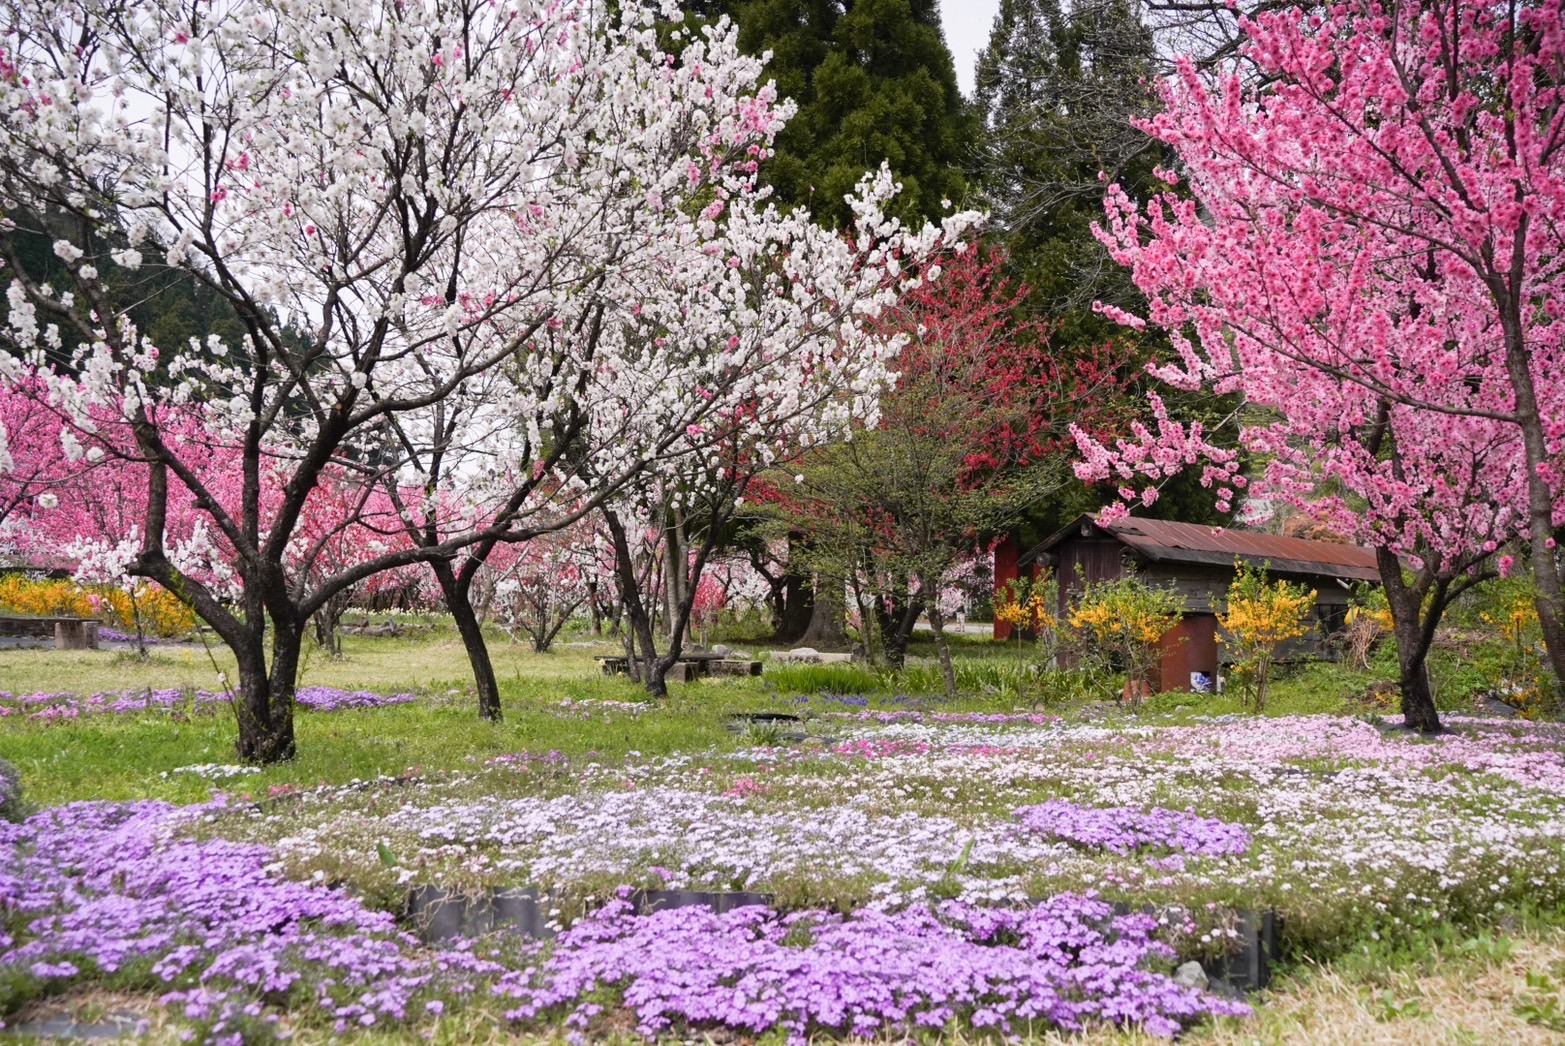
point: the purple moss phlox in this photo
(1064, 962)
(46, 706)
(1125, 829)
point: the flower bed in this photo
(1337, 825)
(979, 859)
(112, 894)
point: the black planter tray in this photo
(1249, 966)
(439, 914)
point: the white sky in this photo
(967, 24)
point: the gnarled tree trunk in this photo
(264, 702)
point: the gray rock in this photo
(739, 655)
(720, 650)
(1490, 705)
(804, 653)
(1191, 975)
(12, 808)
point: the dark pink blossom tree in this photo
(1368, 252)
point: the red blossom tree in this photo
(975, 432)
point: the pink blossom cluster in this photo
(1358, 246)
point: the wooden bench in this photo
(70, 633)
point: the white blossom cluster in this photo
(212, 771)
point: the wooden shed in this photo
(1197, 561)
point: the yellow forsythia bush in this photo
(1514, 617)
(37, 597)
(161, 612)
(1261, 615)
(1027, 605)
(1124, 620)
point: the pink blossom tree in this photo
(1365, 254)
(537, 586)
(33, 465)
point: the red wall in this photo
(1006, 553)
(1190, 646)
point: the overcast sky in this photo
(967, 25)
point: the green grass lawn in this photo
(123, 756)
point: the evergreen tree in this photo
(874, 82)
(169, 306)
(1057, 91)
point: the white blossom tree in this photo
(452, 232)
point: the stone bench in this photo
(688, 668)
(70, 633)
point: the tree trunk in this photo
(328, 620)
(141, 632)
(264, 704)
(650, 675)
(827, 629)
(898, 616)
(947, 671)
(677, 556)
(1414, 634)
(1540, 497)
(639, 626)
(798, 608)
(456, 595)
(798, 599)
(592, 608)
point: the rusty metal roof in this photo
(1159, 540)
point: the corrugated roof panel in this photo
(1159, 539)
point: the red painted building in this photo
(1196, 561)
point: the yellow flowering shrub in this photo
(1123, 621)
(1260, 616)
(1379, 615)
(1513, 615)
(1027, 605)
(1515, 619)
(37, 597)
(160, 612)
